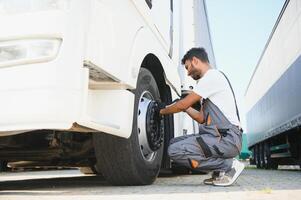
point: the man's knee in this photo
(172, 141)
(173, 150)
(170, 150)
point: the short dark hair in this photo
(200, 53)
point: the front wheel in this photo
(137, 160)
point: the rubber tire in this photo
(120, 160)
(252, 157)
(267, 156)
(257, 156)
(261, 154)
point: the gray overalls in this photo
(214, 148)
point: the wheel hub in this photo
(154, 128)
(150, 130)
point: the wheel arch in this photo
(153, 64)
(150, 51)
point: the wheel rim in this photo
(147, 153)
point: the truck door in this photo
(161, 11)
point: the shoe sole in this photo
(208, 183)
(233, 179)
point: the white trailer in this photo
(273, 95)
(77, 79)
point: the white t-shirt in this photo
(214, 85)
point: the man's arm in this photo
(182, 104)
(196, 115)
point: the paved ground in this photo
(71, 184)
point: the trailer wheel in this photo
(132, 161)
(261, 156)
(269, 162)
(267, 156)
(254, 155)
(257, 156)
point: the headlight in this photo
(18, 52)
(25, 6)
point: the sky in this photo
(239, 32)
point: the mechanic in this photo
(220, 136)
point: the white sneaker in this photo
(230, 177)
(215, 176)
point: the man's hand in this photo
(158, 106)
(161, 105)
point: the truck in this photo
(272, 97)
(78, 82)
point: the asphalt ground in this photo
(71, 184)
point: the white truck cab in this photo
(78, 78)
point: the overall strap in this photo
(233, 95)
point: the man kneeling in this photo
(220, 136)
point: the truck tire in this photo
(257, 156)
(261, 155)
(122, 161)
(269, 164)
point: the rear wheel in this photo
(137, 160)
(261, 156)
(257, 156)
(269, 162)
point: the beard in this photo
(195, 74)
(196, 77)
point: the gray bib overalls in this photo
(217, 143)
